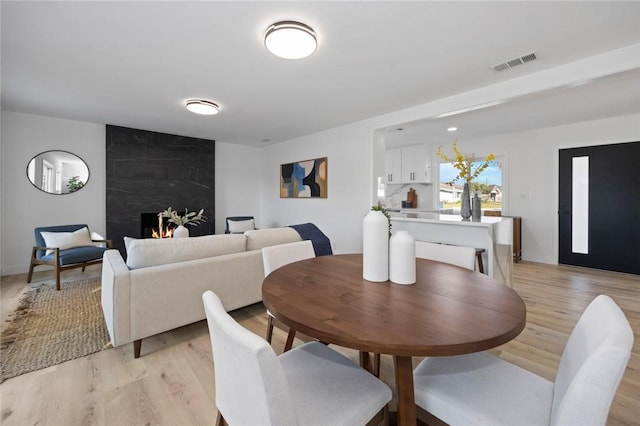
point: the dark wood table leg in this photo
(404, 386)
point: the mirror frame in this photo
(55, 179)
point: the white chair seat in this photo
(309, 385)
(480, 389)
(327, 388)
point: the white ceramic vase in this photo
(180, 232)
(375, 247)
(402, 258)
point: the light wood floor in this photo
(173, 384)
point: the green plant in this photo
(192, 218)
(75, 183)
(379, 208)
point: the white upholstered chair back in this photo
(251, 386)
(592, 365)
(273, 257)
(455, 255)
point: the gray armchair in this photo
(65, 247)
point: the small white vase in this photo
(402, 258)
(375, 247)
(180, 232)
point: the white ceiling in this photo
(134, 64)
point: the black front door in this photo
(599, 207)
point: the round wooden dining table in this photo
(448, 311)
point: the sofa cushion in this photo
(65, 240)
(159, 251)
(77, 255)
(259, 238)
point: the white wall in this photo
(24, 207)
(531, 175)
(356, 154)
(355, 159)
(247, 180)
(238, 183)
(530, 178)
(349, 151)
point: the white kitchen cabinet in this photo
(409, 164)
(393, 165)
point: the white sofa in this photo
(160, 286)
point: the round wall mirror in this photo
(57, 172)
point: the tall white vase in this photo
(375, 247)
(402, 258)
(180, 232)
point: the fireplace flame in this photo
(166, 233)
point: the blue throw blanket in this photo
(321, 243)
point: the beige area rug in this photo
(51, 327)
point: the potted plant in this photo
(189, 218)
(468, 169)
(75, 184)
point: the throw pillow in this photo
(127, 242)
(65, 240)
(240, 226)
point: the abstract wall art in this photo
(304, 179)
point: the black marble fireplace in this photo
(147, 172)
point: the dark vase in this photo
(476, 208)
(465, 208)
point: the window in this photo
(380, 190)
(488, 185)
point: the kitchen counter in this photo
(494, 234)
(417, 211)
(437, 217)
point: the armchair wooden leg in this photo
(290, 337)
(30, 274)
(57, 279)
(137, 346)
(269, 328)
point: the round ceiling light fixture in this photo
(290, 40)
(201, 106)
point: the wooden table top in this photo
(449, 311)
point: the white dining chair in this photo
(308, 385)
(481, 389)
(455, 255)
(274, 257)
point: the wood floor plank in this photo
(173, 382)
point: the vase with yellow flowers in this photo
(468, 168)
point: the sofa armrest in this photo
(116, 283)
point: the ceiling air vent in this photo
(514, 62)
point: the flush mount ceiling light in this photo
(200, 106)
(452, 129)
(290, 40)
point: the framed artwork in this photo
(304, 179)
